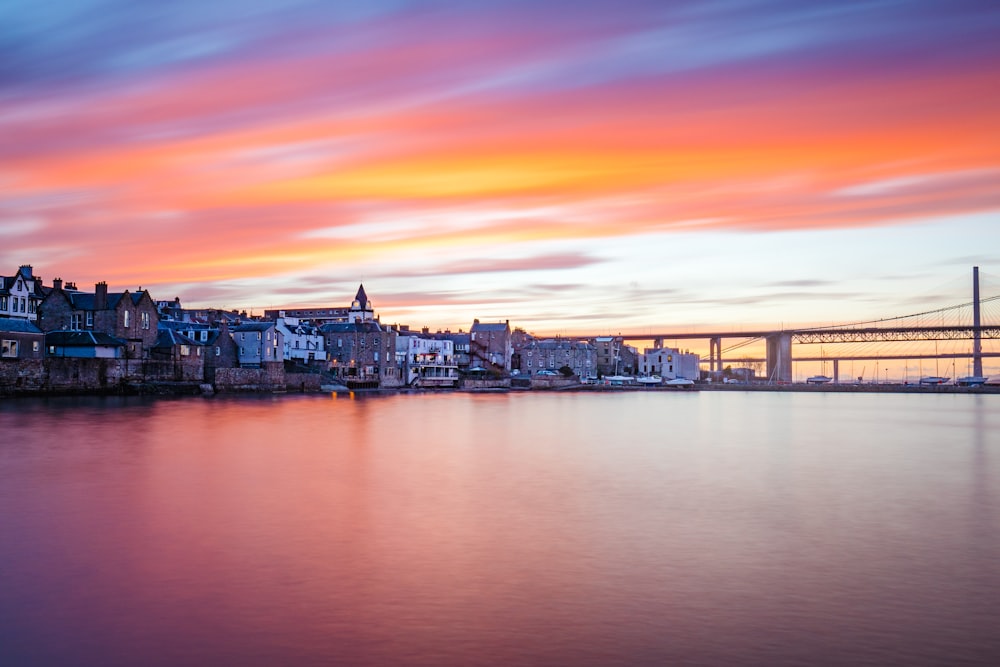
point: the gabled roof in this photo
(168, 338)
(81, 339)
(490, 326)
(15, 325)
(453, 337)
(177, 325)
(34, 284)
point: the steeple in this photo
(361, 308)
(361, 299)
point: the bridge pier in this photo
(779, 357)
(836, 371)
(977, 327)
(715, 354)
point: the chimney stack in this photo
(101, 296)
(57, 284)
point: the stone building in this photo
(20, 339)
(131, 317)
(490, 346)
(552, 354)
(362, 352)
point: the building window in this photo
(76, 320)
(125, 319)
(144, 318)
(185, 350)
(90, 320)
(8, 349)
(3, 303)
(35, 346)
(218, 351)
(258, 335)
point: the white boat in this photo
(819, 379)
(934, 379)
(650, 380)
(971, 381)
(679, 383)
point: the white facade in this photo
(426, 362)
(302, 342)
(669, 363)
(19, 297)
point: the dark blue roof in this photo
(15, 325)
(254, 326)
(81, 339)
(168, 338)
(351, 327)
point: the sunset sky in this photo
(574, 167)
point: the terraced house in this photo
(128, 316)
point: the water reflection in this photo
(501, 529)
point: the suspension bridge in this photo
(859, 341)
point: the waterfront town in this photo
(64, 338)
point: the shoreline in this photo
(182, 389)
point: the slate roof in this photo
(168, 338)
(489, 326)
(85, 300)
(254, 326)
(81, 339)
(178, 325)
(15, 325)
(361, 297)
(351, 327)
(7, 282)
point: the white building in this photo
(426, 361)
(302, 341)
(669, 363)
(20, 294)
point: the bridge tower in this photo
(977, 326)
(779, 357)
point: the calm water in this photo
(521, 529)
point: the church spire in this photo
(362, 309)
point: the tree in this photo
(566, 371)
